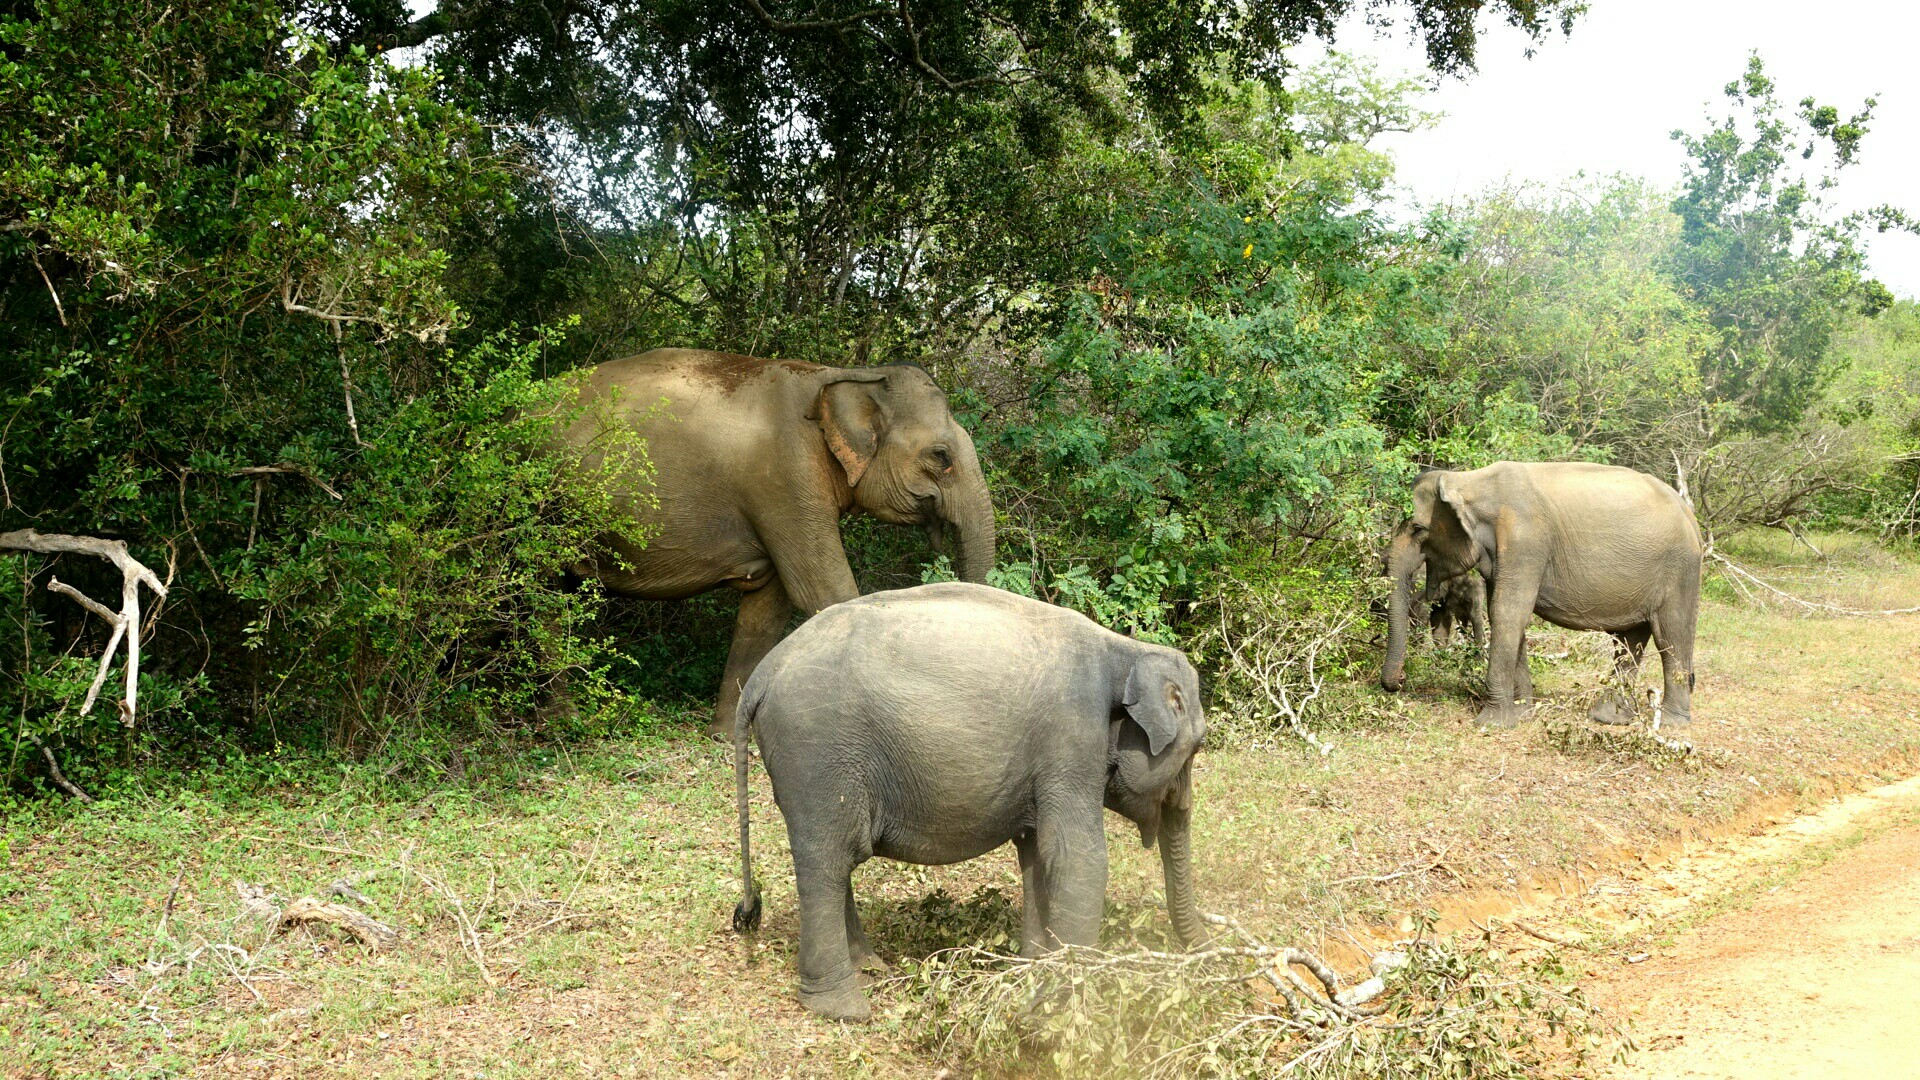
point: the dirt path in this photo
(1798, 953)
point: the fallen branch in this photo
(1267, 665)
(1438, 863)
(257, 904)
(125, 623)
(53, 770)
(368, 930)
(1810, 605)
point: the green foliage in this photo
(1210, 388)
(429, 603)
(1775, 271)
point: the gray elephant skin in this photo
(931, 725)
(1587, 547)
(754, 464)
(1457, 602)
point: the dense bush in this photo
(1153, 272)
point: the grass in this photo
(567, 913)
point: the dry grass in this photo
(594, 892)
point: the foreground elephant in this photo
(1587, 547)
(934, 724)
(755, 462)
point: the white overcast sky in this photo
(1605, 99)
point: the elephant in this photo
(1457, 601)
(1587, 547)
(1460, 601)
(754, 462)
(931, 725)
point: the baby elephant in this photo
(934, 724)
(1459, 601)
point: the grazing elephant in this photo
(1587, 547)
(932, 725)
(754, 463)
(1458, 601)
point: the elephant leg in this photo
(1072, 844)
(763, 617)
(1033, 898)
(1522, 674)
(1509, 683)
(1673, 630)
(829, 982)
(858, 947)
(1617, 705)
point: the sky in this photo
(1606, 99)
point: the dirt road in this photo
(1800, 956)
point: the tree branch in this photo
(783, 26)
(125, 623)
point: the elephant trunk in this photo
(1401, 566)
(1176, 861)
(971, 514)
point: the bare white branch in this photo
(125, 623)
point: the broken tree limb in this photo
(287, 468)
(364, 928)
(53, 770)
(1810, 605)
(126, 623)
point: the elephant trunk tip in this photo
(1393, 684)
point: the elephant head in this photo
(1156, 728)
(907, 461)
(1443, 536)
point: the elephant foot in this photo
(1610, 711)
(848, 1003)
(868, 960)
(1674, 719)
(1500, 717)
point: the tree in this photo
(1775, 269)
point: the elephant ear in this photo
(850, 415)
(1456, 502)
(1152, 695)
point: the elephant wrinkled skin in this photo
(1587, 547)
(932, 725)
(754, 463)
(1459, 601)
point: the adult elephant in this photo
(1587, 547)
(754, 464)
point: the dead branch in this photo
(287, 468)
(368, 930)
(1438, 863)
(126, 623)
(53, 770)
(257, 904)
(1742, 572)
(469, 930)
(1286, 673)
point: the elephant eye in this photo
(941, 457)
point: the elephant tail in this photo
(746, 914)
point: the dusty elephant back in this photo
(894, 652)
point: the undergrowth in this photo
(1448, 1011)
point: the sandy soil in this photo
(1782, 971)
